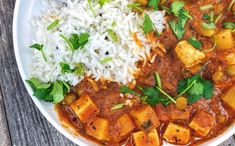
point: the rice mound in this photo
(75, 16)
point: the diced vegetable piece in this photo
(202, 30)
(202, 123)
(230, 70)
(218, 75)
(189, 55)
(228, 58)
(85, 108)
(125, 125)
(177, 134)
(99, 129)
(145, 118)
(142, 2)
(151, 139)
(229, 97)
(69, 98)
(224, 39)
(177, 114)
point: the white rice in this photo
(76, 17)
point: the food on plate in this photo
(137, 72)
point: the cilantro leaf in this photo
(196, 88)
(207, 17)
(49, 92)
(65, 68)
(154, 4)
(53, 24)
(75, 41)
(148, 24)
(135, 6)
(113, 35)
(39, 47)
(125, 89)
(176, 7)
(102, 2)
(194, 42)
(79, 69)
(178, 29)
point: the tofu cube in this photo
(99, 129)
(125, 125)
(84, 108)
(229, 97)
(177, 134)
(188, 55)
(224, 40)
(145, 118)
(143, 139)
(202, 123)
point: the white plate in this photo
(22, 36)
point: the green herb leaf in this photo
(205, 7)
(53, 24)
(229, 25)
(117, 106)
(39, 47)
(75, 41)
(168, 11)
(178, 29)
(49, 92)
(91, 6)
(194, 42)
(154, 4)
(176, 7)
(207, 17)
(113, 35)
(148, 24)
(79, 69)
(135, 6)
(125, 89)
(208, 25)
(102, 2)
(65, 68)
(105, 60)
(196, 88)
(158, 80)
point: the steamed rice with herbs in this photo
(110, 51)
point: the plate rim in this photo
(214, 141)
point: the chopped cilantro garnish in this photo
(91, 6)
(105, 60)
(79, 69)
(39, 47)
(53, 24)
(65, 68)
(75, 41)
(168, 11)
(125, 89)
(148, 24)
(207, 17)
(113, 35)
(176, 7)
(50, 92)
(210, 25)
(117, 106)
(102, 2)
(194, 42)
(154, 4)
(229, 25)
(195, 87)
(135, 6)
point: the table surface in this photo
(21, 123)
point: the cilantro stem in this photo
(43, 55)
(158, 79)
(117, 106)
(67, 41)
(185, 90)
(168, 96)
(91, 7)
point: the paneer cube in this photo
(188, 55)
(143, 139)
(229, 97)
(145, 118)
(84, 108)
(125, 125)
(177, 114)
(224, 39)
(202, 123)
(99, 129)
(177, 134)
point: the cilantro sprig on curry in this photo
(183, 87)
